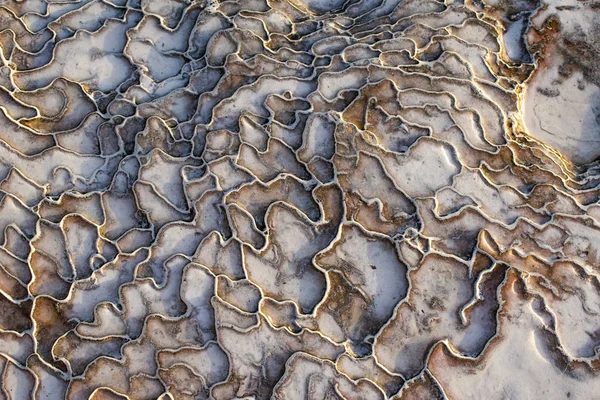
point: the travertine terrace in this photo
(299, 199)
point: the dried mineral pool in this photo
(299, 199)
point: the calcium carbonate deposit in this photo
(299, 199)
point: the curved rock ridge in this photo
(299, 199)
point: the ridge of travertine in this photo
(299, 199)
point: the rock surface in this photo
(299, 199)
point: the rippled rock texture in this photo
(299, 199)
